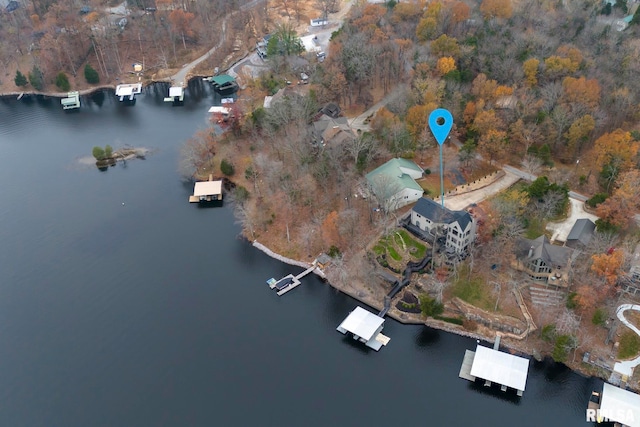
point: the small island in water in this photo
(107, 156)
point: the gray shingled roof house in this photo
(581, 233)
(430, 218)
(544, 261)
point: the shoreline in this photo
(91, 90)
(506, 341)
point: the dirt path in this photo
(181, 76)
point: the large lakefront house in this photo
(543, 261)
(434, 221)
(394, 183)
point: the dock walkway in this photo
(289, 282)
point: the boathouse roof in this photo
(222, 79)
(362, 323)
(207, 188)
(620, 405)
(499, 367)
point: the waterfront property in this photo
(206, 191)
(430, 220)
(543, 261)
(394, 183)
(71, 102)
(127, 92)
(176, 95)
(614, 405)
(366, 327)
(494, 366)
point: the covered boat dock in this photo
(616, 405)
(128, 91)
(206, 191)
(495, 366)
(366, 327)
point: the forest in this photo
(544, 86)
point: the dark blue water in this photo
(154, 313)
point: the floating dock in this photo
(366, 327)
(288, 282)
(494, 366)
(71, 102)
(176, 95)
(206, 191)
(127, 92)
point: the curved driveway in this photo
(626, 367)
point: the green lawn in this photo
(535, 229)
(473, 290)
(398, 243)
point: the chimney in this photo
(530, 252)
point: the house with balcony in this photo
(431, 221)
(543, 261)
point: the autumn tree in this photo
(619, 209)
(445, 46)
(460, 12)
(530, 68)
(578, 133)
(556, 66)
(608, 265)
(581, 91)
(182, 23)
(486, 121)
(445, 65)
(493, 144)
(491, 9)
(615, 153)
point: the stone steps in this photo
(545, 297)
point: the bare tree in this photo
(385, 188)
(531, 164)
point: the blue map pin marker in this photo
(440, 130)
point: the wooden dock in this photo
(465, 369)
(293, 281)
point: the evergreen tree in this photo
(62, 81)
(36, 78)
(91, 75)
(20, 79)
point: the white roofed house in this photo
(394, 183)
(430, 220)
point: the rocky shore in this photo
(507, 341)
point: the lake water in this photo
(121, 304)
